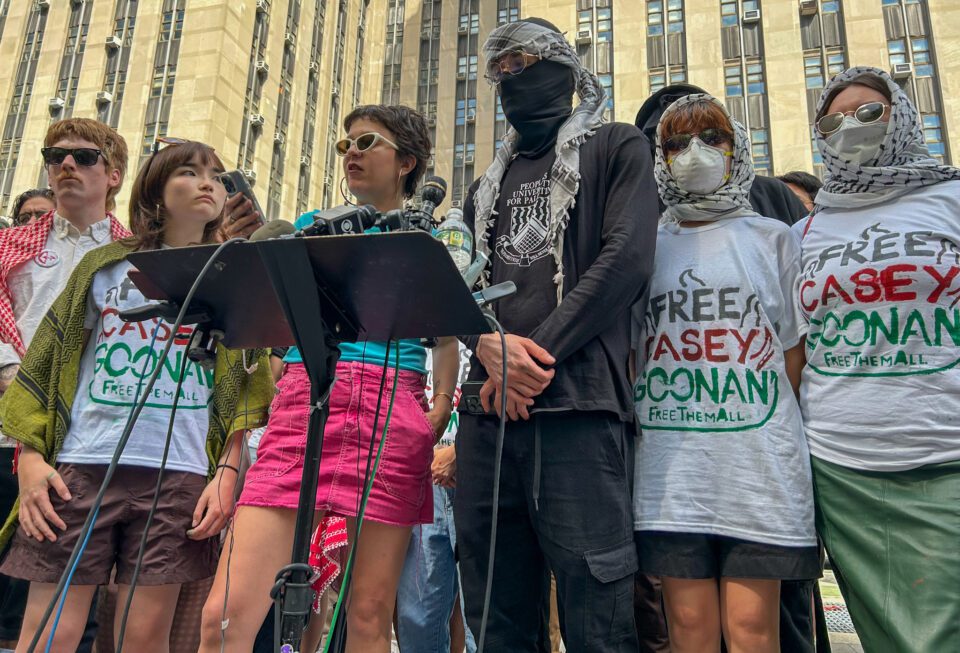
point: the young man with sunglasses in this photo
(85, 161)
(567, 211)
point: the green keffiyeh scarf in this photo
(36, 408)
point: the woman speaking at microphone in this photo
(384, 154)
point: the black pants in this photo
(565, 506)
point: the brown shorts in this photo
(170, 557)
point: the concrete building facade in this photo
(265, 82)
(268, 82)
(767, 59)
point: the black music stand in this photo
(316, 292)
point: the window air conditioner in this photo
(262, 67)
(468, 159)
(584, 36)
(808, 7)
(751, 16)
(471, 118)
(256, 120)
(314, 66)
(902, 71)
(305, 161)
(57, 103)
(456, 204)
(463, 29)
(279, 138)
(250, 174)
(290, 39)
(43, 5)
(113, 42)
(431, 122)
(262, 6)
(104, 97)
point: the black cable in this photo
(497, 457)
(124, 437)
(156, 501)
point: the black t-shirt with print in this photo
(521, 247)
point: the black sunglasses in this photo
(712, 137)
(83, 156)
(27, 216)
(865, 114)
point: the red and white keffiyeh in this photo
(17, 246)
(326, 556)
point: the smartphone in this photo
(235, 182)
(470, 399)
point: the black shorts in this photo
(700, 555)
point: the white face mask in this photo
(856, 143)
(699, 169)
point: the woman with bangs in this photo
(86, 360)
(723, 504)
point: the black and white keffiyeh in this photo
(731, 200)
(903, 164)
(565, 173)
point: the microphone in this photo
(273, 229)
(433, 191)
(341, 220)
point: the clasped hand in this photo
(526, 379)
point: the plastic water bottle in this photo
(456, 235)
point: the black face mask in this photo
(537, 102)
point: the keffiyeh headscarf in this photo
(904, 163)
(565, 173)
(731, 200)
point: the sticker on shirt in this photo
(711, 366)
(885, 304)
(47, 259)
(528, 240)
(127, 353)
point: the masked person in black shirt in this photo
(568, 211)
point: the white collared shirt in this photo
(37, 283)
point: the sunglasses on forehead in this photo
(82, 156)
(865, 114)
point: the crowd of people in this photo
(712, 378)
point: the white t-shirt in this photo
(450, 435)
(722, 448)
(117, 356)
(880, 286)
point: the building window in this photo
(393, 54)
(72, 58)
(594, 41)
(310, 117)
(465, 114)
(913, 63)
(429, 68)
(508, 11)
(256, 78)
(666, 46)
(745, 77)
(333, 122)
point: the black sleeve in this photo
(772, 198)
(469, 217)
(620, 273)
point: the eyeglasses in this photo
(711, 136)
(363, 142)
(866, 114)
(512, 63)
(82, 156)
(27, 216)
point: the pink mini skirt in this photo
(401, 493)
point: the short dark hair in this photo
(409, 129)
(26, 195)
(870, 80)
(810, 184)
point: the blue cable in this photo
(96, 512)
(63, 597)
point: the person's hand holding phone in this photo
(240, 218)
